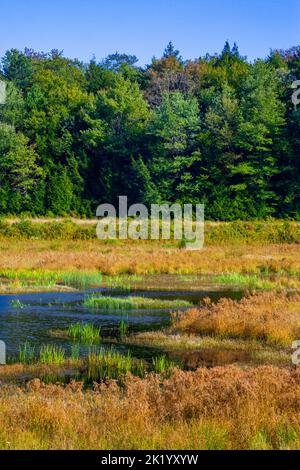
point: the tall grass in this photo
(87, 333)
(268, 316)
(123, 282)
(26, 353)
(114, 303)
(217, 408)
(51, 354)
(81, 280)
(251, 281)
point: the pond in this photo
(42, 313)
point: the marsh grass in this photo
(123, 282)
(128, 303)
(26, 353)
(148, 258)
(268, 316)
(199, 350)
(253, 281)
(162, 364)
(85, 332)
(218, 408)
(276, 231)
(50, 279)
(51, 354)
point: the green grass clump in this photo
(105, 364)
(26, 353)
(249, 281)
(123, 282)
(81, 279)
(114, 303)
(47, 278)
(87, 333)
(161, 364)
(51, 354)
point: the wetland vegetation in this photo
(198, 342)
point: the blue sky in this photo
(87, 27)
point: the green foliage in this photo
(51, 354)
(87, 333)
(114, 303)
(161, 364)
(216, 130)
(26, 353)
(107, 364)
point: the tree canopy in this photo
(217, 130)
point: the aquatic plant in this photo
(162, 364)
(106, 364)
(51, 354)
(26, 353)
(81, 279)
(85, 332)
(114, 303)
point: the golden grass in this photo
(148, 257)
(219, 408)
(269, 316)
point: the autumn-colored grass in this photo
(219, 408)
(148, 258)
(269, 316)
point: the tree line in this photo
(218, 130)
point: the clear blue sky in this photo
(140, 27)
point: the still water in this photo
(44, 312)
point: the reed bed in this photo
(128, 303)
(268, 316)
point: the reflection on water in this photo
(51, 311)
